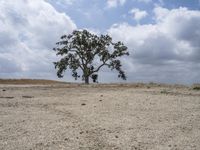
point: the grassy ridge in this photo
(136, 85)
(28, 81)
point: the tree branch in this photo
(104, 64)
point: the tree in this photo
(85, 52)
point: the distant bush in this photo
(196, 88)
(148, 87)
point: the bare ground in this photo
(99, 117)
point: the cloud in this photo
(145, 1)
(63, 2)
(115, 3)
(167, 51)
(29, 31)
(138, 14)
(11, 67)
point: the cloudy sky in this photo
(163, 36)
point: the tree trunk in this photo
(86, 79)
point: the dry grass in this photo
(28, 81)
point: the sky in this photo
(162, 36)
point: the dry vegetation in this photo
(28, 81)
(196, 87)
(52, 115)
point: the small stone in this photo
(116, 136)
(8, 97)
(27, 96)
(4, 90)
(100, 100)
(66, 139)
(83, 104)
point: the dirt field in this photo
(99, 117)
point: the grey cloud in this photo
(167, 51)
(6, 41)
(179, 72)
(155, 49)
(8, 66)
(187, 29)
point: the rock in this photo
(83, 104)
(66, 139)
(27, 96)
(8, 97)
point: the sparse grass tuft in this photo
(164, 91)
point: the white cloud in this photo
(115, 3)
(167, 51)
(64, 2)
(145, 1)
(160, 13)
(138, 14)
(29, 31)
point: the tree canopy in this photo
(85, 54)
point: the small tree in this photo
(87, 52)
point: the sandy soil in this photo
(73, 117)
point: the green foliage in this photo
(81, 50)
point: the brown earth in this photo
(99, 117)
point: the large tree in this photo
(87, 53)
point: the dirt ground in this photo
(99, 117)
